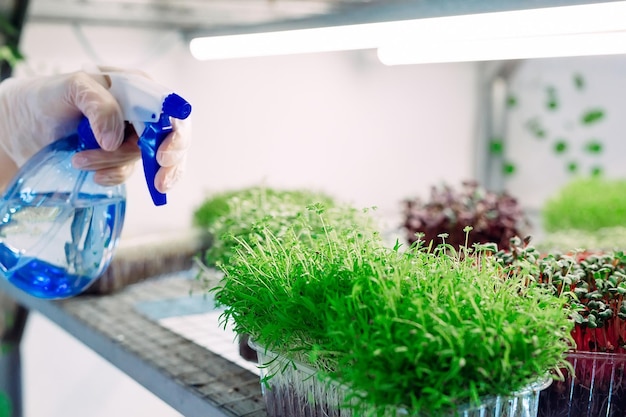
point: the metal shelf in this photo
(190, 378)
(204, 17)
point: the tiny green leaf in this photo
(552, 101)
(535, 127)
(496, 146)
(508, 168)
(592, 116)
(579, 81)
(560, 146)
(594, 146)
(596, 171)
(511, 101)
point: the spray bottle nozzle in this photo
(176, 106)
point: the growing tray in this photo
(597, 388)
(294, 390)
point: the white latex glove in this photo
(36, 111)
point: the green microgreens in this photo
(232, 215)
(425, 329)
(594, 285)
(586, 204)
(273, 283)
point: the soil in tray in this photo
(598, 390)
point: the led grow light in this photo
(327, 39)
(591, 29)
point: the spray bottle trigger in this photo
(149, 143)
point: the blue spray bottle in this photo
(58, 228)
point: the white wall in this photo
(338, 122)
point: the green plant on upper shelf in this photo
(423, 329)
(587, 213)
(9, 51)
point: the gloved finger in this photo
(98, 159)
(174, 147)
(115, 175)
(81, 93)
(166, 177)
(102, 109)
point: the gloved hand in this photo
(36, 111)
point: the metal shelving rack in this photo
(204, 18)
(192, 379)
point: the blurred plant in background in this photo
(494, 217)
(587, 213)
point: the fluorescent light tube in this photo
(327, 39)
(594, 29)
(445, 39)
(506, 48)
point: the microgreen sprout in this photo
(594, 285)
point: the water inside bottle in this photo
(54, 246)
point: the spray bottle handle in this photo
(153, 135)
(149, 142)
